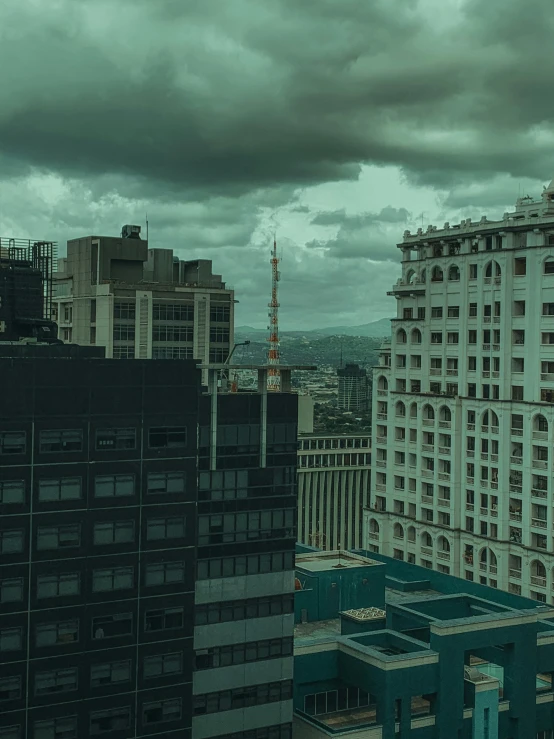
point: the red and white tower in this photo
(273, 354)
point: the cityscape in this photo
(277, 370)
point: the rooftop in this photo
(331, 560)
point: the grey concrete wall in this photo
(238, 632)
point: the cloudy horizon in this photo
(336, 124)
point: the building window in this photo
(173, 312)
(58, 585)
(167, 437)
(10, 732)
(123, 352)
(472, 364)
(59, 632)
(252, 564)
(238, 610)
(165, 482)
(11, 541)
(124, 310)
(124, 332)
(62, 488)
(114, 486)
(453, 311)
(112, 578)
(472, 271)
(107, 627)
(12, 442)
(59, 537)
(172, 352)
(219, 335)
(65, 727)
(114, 532)
(10, 689)
(218, 356)
(108, 673)
(164, 619)
(473, 310)
(160, 712)
(56, 681)
(238, 654)
(452, 337)
(436, 337)
(165, 573)
(61, 441)
(549, 267)
(163, 664)
(472, 337)
(172, 333)
(165, 528)
(108, 439)
(11, 640)
(113, 719)
(12, 491)
(220, 314)
(242, 697)
(11, 590)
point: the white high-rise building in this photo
(463, 411)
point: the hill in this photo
(374, 329)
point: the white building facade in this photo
(333, 489)
(463, 412)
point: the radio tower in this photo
(273, 354)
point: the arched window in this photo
(538, 572)
(494, 419)
(382, 383)
(454, 273)
(401, 336)
(426, 539)
(437, 275)
(428, 412)
(373, 526)
(443, 544)
(493, 270)
(445, 414)
(400, 410)
(488, 270)
(416, 336)
(410, 277)
(540, 423)
(549, 266)
(398, 531)
(413, 410)
(423, 275)
(487, 557)
(411, 533)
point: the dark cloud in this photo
(252, 94)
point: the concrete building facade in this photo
(141, 303)
(353, 388)
(463, 418)
(333, 489)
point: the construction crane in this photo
(273, 353)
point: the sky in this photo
(336, 124)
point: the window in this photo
(162, 711)
(218, 356)
(113, 486)
(220, 313)
(124, 310)
(472, 271)
(108, 439)
(436, 337)
(473, 310)
(10, 689)
(61, 441)
(11, 590)
(59, 537)
(11, 639)
(472, 337)
(123, 352)
(112, 578)
(163, 619)
(436, 312)
(238, 610)
(173, 312)
(517, 392)
(546, 338)
(453, 337)
(12, 491)
(472, 390)
(163, 664)
(252, 564)
(472, 364)
(65, 727)
(106, 627)
(124, 332)
(165, 528)
(114, 532)
(242, 697)
(165, 573)
(61, 488)
(12, 442)
(172, 352)
(167, 437)
(10, 732)
(238, 654)
(453, 311)
(56, 681)
(110, 672)
(165, 482)
(11, 541)
(59, 632)
(549, 267)
(113, 719)
(172, 333)
(58, 585)
(219, 335)
(421, 312)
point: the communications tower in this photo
(273, 354)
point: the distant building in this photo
(333, 489)
(353, 388)
(385, 649)
(142, 303)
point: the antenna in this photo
(273, 354)
(147, 227)
(340, 365)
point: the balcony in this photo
(470, 452)
(486, 319)
(494, 485)
(452, 372)
(496, 319)
(445, 424)
(540, 464)
(496, 374)
(543, 435)
(427, 550)
(382, 392)
(491, 568)
(494, 457)
(381, 463)
(382, 416)
(484, 511)
(496, 347)
(537, 580)
(471, 427)
(435, 371)
(470, 480)
(517, 432)
(539, 493)
(381, 439)
(373, 535)
(444, 502)
(380, 487)
(540, 523)
(444, 450)
(444, 475)
(428, 447)
(470, 507)
(515, 489)
(428, 473)
(483, 483)
(484, 455)
(516, 574)
(427, 499)
(547, 376)
(515, 516)
(442, 554)
(428, 421)
(486, 347)
(494, 429)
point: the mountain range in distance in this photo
(375, 329)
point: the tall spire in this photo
(273, 353)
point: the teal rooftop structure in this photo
(384, 649)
